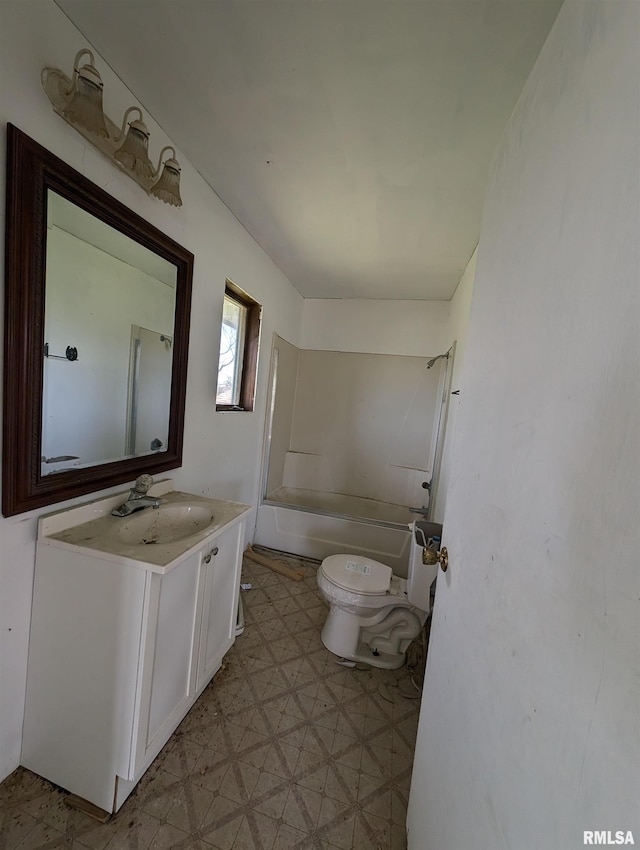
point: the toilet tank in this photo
(420, 576)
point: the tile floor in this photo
(284, 749)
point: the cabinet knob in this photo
(214, 551)
(211, 554)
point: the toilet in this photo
(373, 614)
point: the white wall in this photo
(530, 722)
(416, 328)
(459, 310)
(222, 451)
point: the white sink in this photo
(166, 524)
(181, 524)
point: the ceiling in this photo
(352, 138)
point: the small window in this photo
(239, 340)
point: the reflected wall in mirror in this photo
(97, 308)
(111, 300)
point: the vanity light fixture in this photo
(168, 186)
(79, 101)
(84, 106)
(133, 153)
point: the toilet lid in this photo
(358, 574)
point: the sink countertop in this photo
(100, 533)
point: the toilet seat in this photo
(357, 574)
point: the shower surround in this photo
(349, 443)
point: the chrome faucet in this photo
(138, 498)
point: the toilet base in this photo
(383, 660)
(380, 641)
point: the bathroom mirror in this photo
(97, 305)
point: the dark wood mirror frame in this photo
(31, 172)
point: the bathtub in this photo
(316, 524)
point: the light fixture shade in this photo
(168, 186)
(84, 108)
(133, 152)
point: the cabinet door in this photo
(220, 569)
(82, 678)
(168, 658)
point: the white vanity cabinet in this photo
(121, 648)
